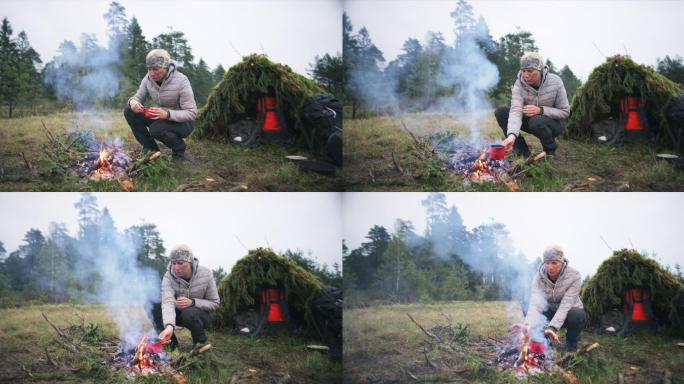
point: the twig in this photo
(372, 176)
(421, 327)
(415, 140)
(396, 163)
(28, 165)
(51, 136)
(27, 371)
(59, 331)
(49, 358)
(427, 359)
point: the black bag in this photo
(675, 121)
(326, 307)
(608, 132)
(322, 127)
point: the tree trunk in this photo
(354, 104)
(10, 109)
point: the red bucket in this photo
(497, 152)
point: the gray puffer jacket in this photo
(201, 288)
(174, 94)
(559, 296)
(551, 95)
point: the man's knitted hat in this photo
(532, 60)
(158, 58)
(182, 253)
(553, 252)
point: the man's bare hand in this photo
(166, 333)
(183, 302)
(508, 142)
(531, 110)
(136, 106)
(157, 113)
(552, 335)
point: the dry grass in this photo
(261, 169)
(371, 143)
(25, 336)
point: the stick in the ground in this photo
(28, 165)
(59, 331)
(415, 140)
(51, 136)
(396, 163)
(421, 327)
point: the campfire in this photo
(527, 354)
(144, 359)
(105, 164)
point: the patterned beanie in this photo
(181, 252)
(532, 60)
(158, 58)
(553, 252)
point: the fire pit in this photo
(144, 359)
(105, 164)
(473, 162)
(527, 354)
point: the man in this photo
(172, 120)
(539, 105)
(189, 297)
(555, 299)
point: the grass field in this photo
(382, 345)
(210, 165)
(371, 144)
(26, 340)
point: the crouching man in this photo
(555, 299)
(189, 297)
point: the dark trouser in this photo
(543, 127)
(171, 133)
(574, 323)
(193, 318)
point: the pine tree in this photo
(329, 71)
(217, 74)
(570, 81)
(10, 69)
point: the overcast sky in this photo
(291, 32)
(567, 32)
(212, 224)
(575, 221)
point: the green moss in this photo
(235, 97)
(628, 269)
(618, 77)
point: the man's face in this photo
(157, 73)
(553, 268)
(182, 269)
(531, 76)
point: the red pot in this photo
(537, 346)
(497, 152)
(147, 112)
(154, 345)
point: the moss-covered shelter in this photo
(263, 268)
(235, 97)
(620, 76)
(627, 269)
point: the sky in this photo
(577, 33)
(216, 226)
(576, 221)
(290, 32)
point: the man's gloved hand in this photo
(550, 332)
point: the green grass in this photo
(210, 166)
(381, 344)
(25, 337)
(370, 144)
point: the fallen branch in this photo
(51, 136)
(421, 327)
(59, 331)
(28, 165)
(27, 371)
(396, 163)
(181, 359)
(566, 359)
(415, 139)
(136, 166)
